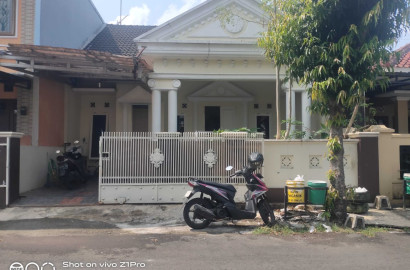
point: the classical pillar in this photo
(245, 114)
(156, 111)
(403, 114)
(306, 102)
(195, 118)
(170, 86)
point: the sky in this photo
(156, 12)
(143, 12)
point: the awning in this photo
(11, 80)
(69, 63)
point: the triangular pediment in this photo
(204, 24)
(220, 91)
(136, 95)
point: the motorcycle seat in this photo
(223, 186)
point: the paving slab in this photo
(396, 218)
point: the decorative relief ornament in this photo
(234, 25)
(286, 162)
(151, 83)
(210, 158)
(176, 83)
(157, 158)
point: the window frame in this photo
(12, 20)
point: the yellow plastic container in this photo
(296, 191)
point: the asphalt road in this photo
(100, 246)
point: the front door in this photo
(99, 125)
(262, 125)
(140, 118)
(8, 109)
(212, 118)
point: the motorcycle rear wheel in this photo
(189, 215)
(266, 213)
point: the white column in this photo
(306, 102)
(195, 118)
(403, 114)
(290, 112)
(245, 114)
(156, 111)
(172, 110)
(171, 86)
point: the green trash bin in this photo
(317, 192)
(406, 178)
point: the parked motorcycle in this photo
(216, 201)
(71, 165)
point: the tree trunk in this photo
(337, 178)
(278, 122)
(349, 126)
(289, 125)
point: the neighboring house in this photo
(34, 98)
(392, 105)
(60, 23)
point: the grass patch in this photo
(372, 231)
(338, 229)
(285, 230)
(279, 230)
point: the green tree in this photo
(276, 37)
(337, 49)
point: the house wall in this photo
(51, 113)
(34, 166)
(7, 95)
(25, 122)
(69, 24)
(72, 115)
(87, 113)
(389, 163)
(127, 95)
(27, 21)
(285, 159)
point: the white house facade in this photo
(209, 74)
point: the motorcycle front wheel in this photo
(190, 217)
(266, 213)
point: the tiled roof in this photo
(72, 62)
(118, 39)
(404, 61)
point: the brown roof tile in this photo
(404, 61)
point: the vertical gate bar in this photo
(106, 163)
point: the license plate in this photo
(187, 194)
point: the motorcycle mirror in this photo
(229, 168)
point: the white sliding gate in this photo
(155, 167)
